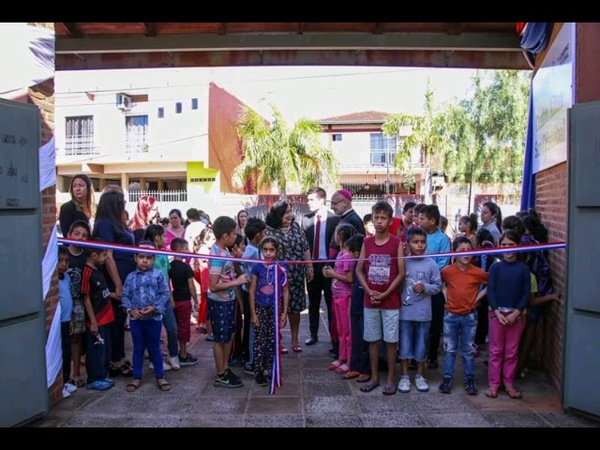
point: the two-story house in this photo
(175, 142)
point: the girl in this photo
(341, 289)
(157, 236)
(262, 303)
(468, 226)
(484, 239)
(491, 217)
(202, 245)
(509, 290)
(241, 220)
(237, 251)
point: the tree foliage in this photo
(278, 153)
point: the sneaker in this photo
(100, 385)
(69, 387)
(227, 381)
(260, 380)
(470, 387)
(421, 384)
(432, 363)
(110, 381)
(65, 392)
(174, 362)
(446, 386)
(166, 367)
(248, 369)
(231, 374)
(189, 360)
(404, 385)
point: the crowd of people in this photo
(387, 301)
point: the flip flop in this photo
(368, 387)
(389, 389)
(492, 392)
(363, 378)
(351, 374)
(163, 385)
(342, 369)
(133, 385)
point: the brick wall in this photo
(42, 95)
(551, 204)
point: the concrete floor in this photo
(311, 396)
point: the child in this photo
(80, 230)
(202, 245)
(184, 292)
(509, 290)
(437, 242)
(255, 231)
(145, 297)
(484, 240)
(99, 317)
(421, 282)
(341, 288)
(468, 226)
(66, 321)
(236, 358)
(262, 306)
(222, 300)
(156, 235)
(368, 222)
(462, 280)
(360, 366)
(380, 276)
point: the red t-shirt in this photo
(381, 269)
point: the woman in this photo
(294, 247)
(110, 228)
(241, 220)
(82, 205)
(491, 217)
(146, 212)
(175, 228)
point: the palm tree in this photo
(276, 153)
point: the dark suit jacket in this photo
(308, 225)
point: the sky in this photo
(313, 92)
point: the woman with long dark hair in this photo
(294, 247)
(82, 205)
(110, 228)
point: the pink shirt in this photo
(343, 265)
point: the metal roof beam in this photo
(488, 42)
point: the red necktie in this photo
(317, 236)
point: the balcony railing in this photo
(80, 146)
(161, 196)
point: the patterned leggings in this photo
(264, 339)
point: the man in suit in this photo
(319, 227)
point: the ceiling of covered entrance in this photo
(131, 45)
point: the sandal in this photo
(79, 383)
(284, 351)
(351, 374)
(368, 387)
(163, 385)
(133, 385)
(342, 369)
(513, 393)
(492, 392)
(297, 348)
(335, 364)
(363, 378)
(389, 389)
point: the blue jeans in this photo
(170, 323)
(413, 340)
(459, 332)
(145, 334)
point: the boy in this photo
(422, 281)
(145, 297)
(184, 292)
(437, 242)
(66, 321)
(79, 231)
(463, 280)
(380, 276)
(99, 316)
(222, 299)
(255, 231)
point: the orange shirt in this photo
(462, 287)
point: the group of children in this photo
(386, 294)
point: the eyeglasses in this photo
(335, 203)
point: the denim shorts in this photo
(413, 339)
(381, 323)
(222, 317)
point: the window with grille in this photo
(382, 149)
(79, 136)
(161, 112)
(178, 108)
(194, 103)
(136, 134)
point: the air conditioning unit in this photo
(123, 102)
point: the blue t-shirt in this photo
(251, 252)
(265, 283)
(438, 242)
(65, 299)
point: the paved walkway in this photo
(311, 396)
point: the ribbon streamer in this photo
(276, 370)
